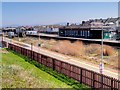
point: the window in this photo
(80, 33)
(88, 33)
(70, 32)
(66, 32)
(76, 32)
(83, 33)
(61, 32)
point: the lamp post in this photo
(2, 39)
(39, 36)
(18, 35)
(39, 42)
(2, 36)
(32, 50)
(101, 67)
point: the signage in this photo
(101, 67)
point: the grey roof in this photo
(87, 24)
(111, 20)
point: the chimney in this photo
(83, 22)
(67, 24)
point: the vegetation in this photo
(87, 52)
(22, 72)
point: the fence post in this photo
(53, 64)
(101, 81)
(81, 76)
(31, 50)
(111, 83)
(20, 50)
(11, 46)
(7, 44)
(93, 80)
(37, 57)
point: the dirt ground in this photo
(90, 52)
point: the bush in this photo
(68, 48)
(108, 50)
(96, 49)
(93, 49)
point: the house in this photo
(8, 29)
(20, 31)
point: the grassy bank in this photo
(21, 72)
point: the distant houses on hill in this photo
(86, 29)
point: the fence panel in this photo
(84, 76)
(35, 57)
(49, 62)
(75, 72)
(39, 58)
(87, 77)
(58, 66)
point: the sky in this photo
(44, 13)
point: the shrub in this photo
(79, 46)
(96, 49)
(108, 50)
(93, 49)
(68, 48)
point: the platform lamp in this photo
(101, 67)
(101, 63)
(32, 50)
(2, 36)
(18, 34)
(39, 42)
(39, 36)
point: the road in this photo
(77, 62)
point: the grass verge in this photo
(33, 73)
